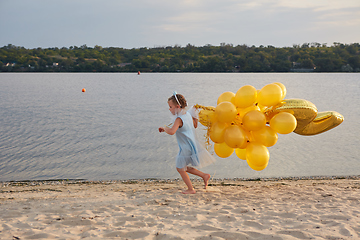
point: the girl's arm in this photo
(171, 131)
(195, 115)
(195, 121)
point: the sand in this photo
(322, 208)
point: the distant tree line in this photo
(308, 57)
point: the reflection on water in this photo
(50, 129)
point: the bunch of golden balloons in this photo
(240, 123)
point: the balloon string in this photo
(197, 106)
(208, 144)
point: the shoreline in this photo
(160, 180)
(281, 209)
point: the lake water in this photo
(49, 129)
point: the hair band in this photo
(177, 100)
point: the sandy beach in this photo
(314, 208)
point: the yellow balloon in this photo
(235, 136)
(266, 136)
(223, 150)
(243, 111)
(226, 97)
(254, 120)
(283, 89)
(245, 96)
(207, 116)
(257, 155)
(283, 123)
(225, 112)
(309, 120)
(257, 168)
(270, 95)
(217, 131)
(241, 153)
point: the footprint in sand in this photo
(295, 234)
(343, 231)
(205, 227)
(127, 235)
(287, 215)
(226, 219)
(229, 235)
(77, 222)
(254, 225)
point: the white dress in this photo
(191, 152)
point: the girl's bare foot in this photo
(189, 191)
(206, 179)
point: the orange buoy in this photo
(138, 72)
(83, 90)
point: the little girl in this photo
(191, 153)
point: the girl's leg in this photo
(185, 177)
(196, 172)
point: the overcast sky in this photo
(152, 23)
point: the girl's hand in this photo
(171, 131)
